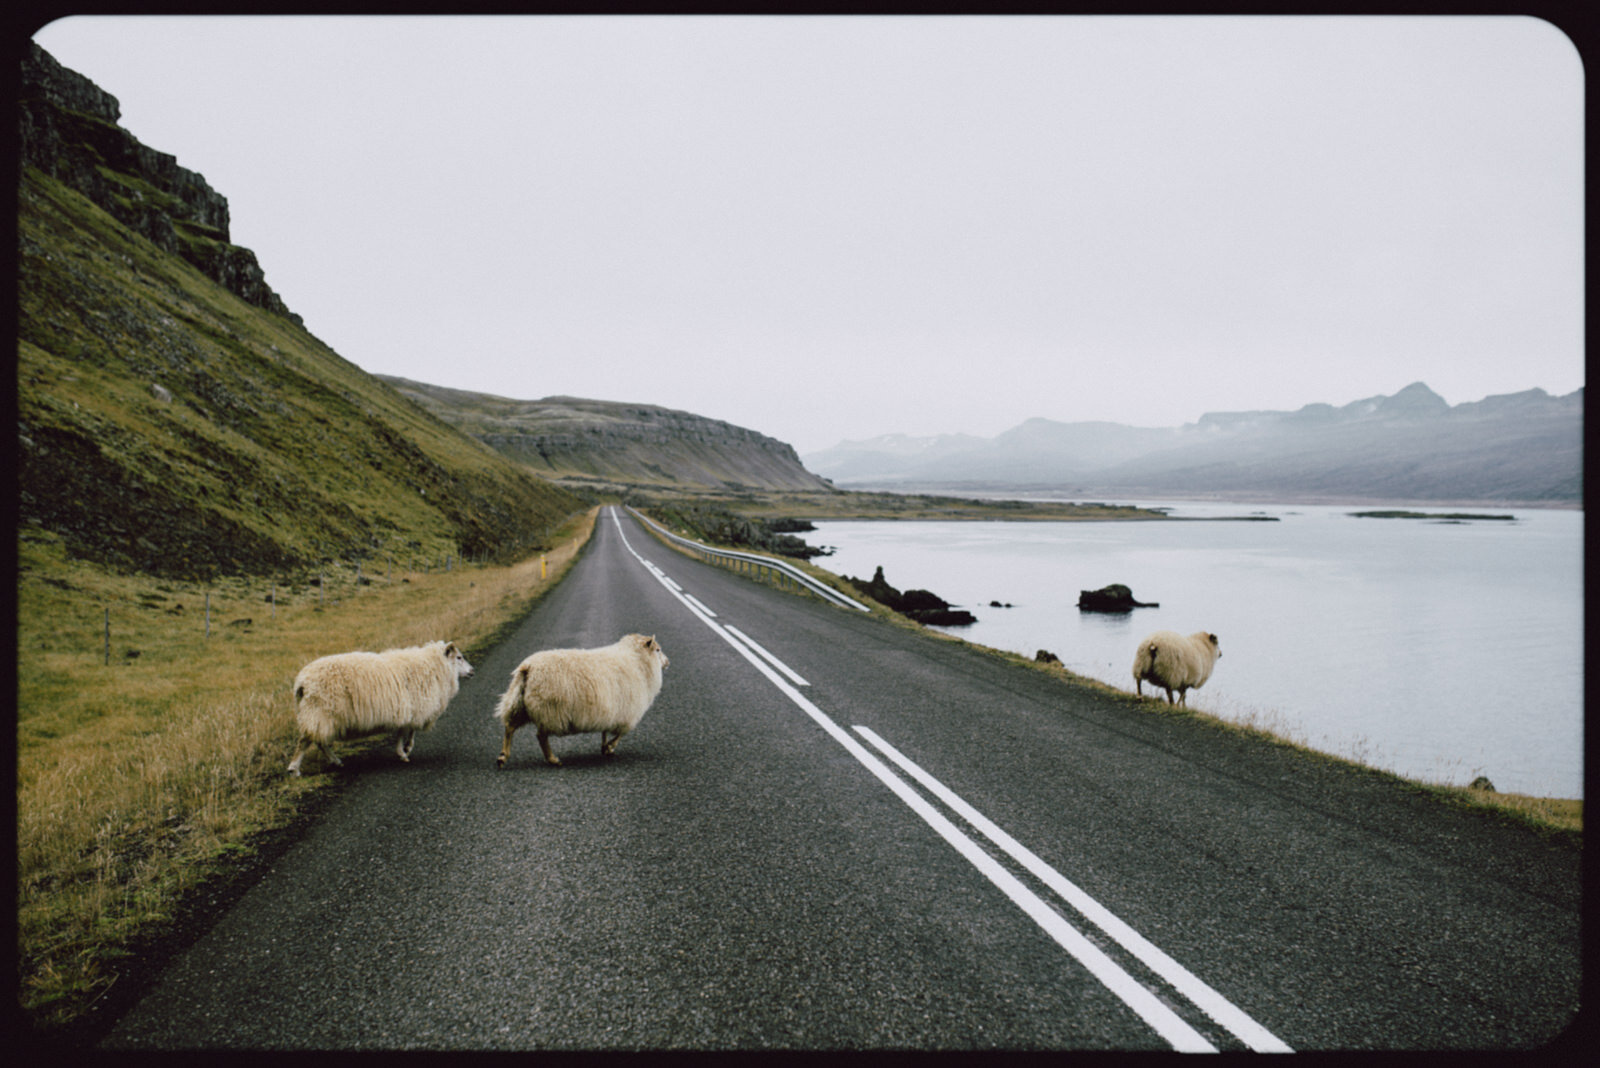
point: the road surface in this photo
(862, 836)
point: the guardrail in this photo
(785, 576)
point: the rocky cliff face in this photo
(167, 426)
(68, 127)
(640, 443)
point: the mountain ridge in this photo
(581, 439)
(1411, 445)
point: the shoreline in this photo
(1537, 810)
(1242, 497)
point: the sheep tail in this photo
(511, 700)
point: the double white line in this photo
(1150, 1008)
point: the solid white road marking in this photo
(1213, 1004)
(691, 599)
(1168, 1024)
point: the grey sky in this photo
(828, 228)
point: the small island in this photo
(1456, 517)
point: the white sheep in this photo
(350, 694)
(579, 691)
(1175, 662)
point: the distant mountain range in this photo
(1413, 446)
(587, 441)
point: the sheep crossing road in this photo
(830, 832)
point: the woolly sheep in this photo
(349, 694)
(579, 691)
(1175, 662)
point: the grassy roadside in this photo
(140, 780)
(1560, 816)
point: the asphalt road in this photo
(918, 847)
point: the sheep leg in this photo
(1170, 701)
(609, 746)
(544, 743)
(403, 743)
(505, 748)
(307, 743)
(300, 754)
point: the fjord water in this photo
(1438, 650)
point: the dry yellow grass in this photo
(135, 779)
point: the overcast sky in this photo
(834, 228)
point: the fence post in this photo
(544, 567)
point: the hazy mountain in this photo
(174, 417)
(1411, 446)
(569, 437)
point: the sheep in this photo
(579, 691)
(348, 694)
(1175, 662)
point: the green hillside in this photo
(175, 419)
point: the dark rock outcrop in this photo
(920, 605)
(68, 130)
(1113, 598)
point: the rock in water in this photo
(1113, 598)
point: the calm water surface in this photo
(1441, 651)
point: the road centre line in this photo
(1210, 1002)
(1163, 1020)
(768, 657)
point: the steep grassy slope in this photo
(641, 444)
(168, 425)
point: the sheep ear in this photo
(450, 647)
(1213, 638)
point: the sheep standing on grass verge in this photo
(350, 694)
(579, 691)
(1175, 662)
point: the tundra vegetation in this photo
(142, 780)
